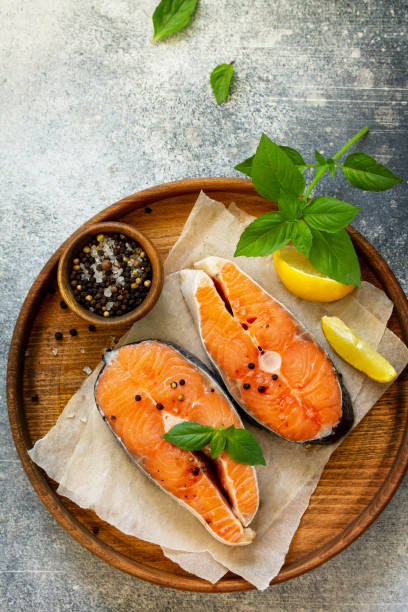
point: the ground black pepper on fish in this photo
(111, 275)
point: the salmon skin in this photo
(271, 365)
(146, 388)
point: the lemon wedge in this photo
(303, 280)
(356, 351)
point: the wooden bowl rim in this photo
(76, 240)
(52, 500)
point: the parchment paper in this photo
(83, 456)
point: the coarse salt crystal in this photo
(109, 305)
(70, 415)
(83, 419)
(82, 350)
(107, 292)
(87, 370)
(27, 353)
(55, 351)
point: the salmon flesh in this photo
(273, 368)
(146, 388)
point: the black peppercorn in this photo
(73, 332)
(63, 305)
(261, 389)
(182, 382)
(159, 406)
(251, 366)
(58, 335)
(246, 386)
(274, 377)
(138, 398)
(195, 471)
(91, 328)
(34, 398)
(148, 209)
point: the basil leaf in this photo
(302, 237)
(294, 156)
(319, 158)
(332, 170)
(266, 234)
(272, 170)
(246, 166)
(329, 214)
(171, 16)
(290, 206)
(364, 172)
(189, 435)
(217, 444)
(334, 255)
(220, 80)
(243, 447)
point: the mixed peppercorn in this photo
(111, 275)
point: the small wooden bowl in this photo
(75, 245)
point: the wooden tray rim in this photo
(52, 501)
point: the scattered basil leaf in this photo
(217, 444)
(265, 234)
(290, 206)
(334, 255)
(364, 172)
(329, 214)
(243, 447)
(171, 16)
(245, 166)
(319, 158)
(220, 80)
(272, 170)
(302, 237)
(189, 435)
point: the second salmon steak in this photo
(272, 366)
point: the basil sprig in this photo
(171, 16)
(316, 228)
(220, 80)
(239, 444)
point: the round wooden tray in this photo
(359, 480)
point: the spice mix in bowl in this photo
(110, 273)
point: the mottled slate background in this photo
(91, 112)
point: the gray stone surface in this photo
(91, 112)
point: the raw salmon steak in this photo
(146, 388)
(273, 368)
